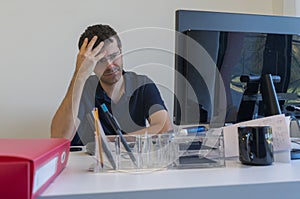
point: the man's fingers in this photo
(91, 43)
(98, 48)
(100, 56)
(83, 46)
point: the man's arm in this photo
(159, 122)
(65, 121)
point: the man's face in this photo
(112, 64)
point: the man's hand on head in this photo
(88, 57)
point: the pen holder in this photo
(99, 165)
(135, 153)
(199, 149)
(150, 152)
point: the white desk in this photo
(280, 180)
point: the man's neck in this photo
(114, 91)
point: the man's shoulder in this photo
(92, 79)
(134, 82)
(136, 78)
(91, 83)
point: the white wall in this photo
(38, 46)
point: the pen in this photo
(196, 130)
(113, 122)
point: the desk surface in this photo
(280, 180)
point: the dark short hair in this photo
(103, 32)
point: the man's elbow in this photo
(56, 132)
(61, 129)
(166, 126)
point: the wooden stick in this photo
(99, 139)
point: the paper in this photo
(280, 130)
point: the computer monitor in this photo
(213, 49)
(268, 104)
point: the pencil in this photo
(96, 118)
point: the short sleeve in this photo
(152, 99)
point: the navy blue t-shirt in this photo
(140, 100)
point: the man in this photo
(131, 98)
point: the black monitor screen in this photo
(250, 45)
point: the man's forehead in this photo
(110, 41)
(111, 44)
